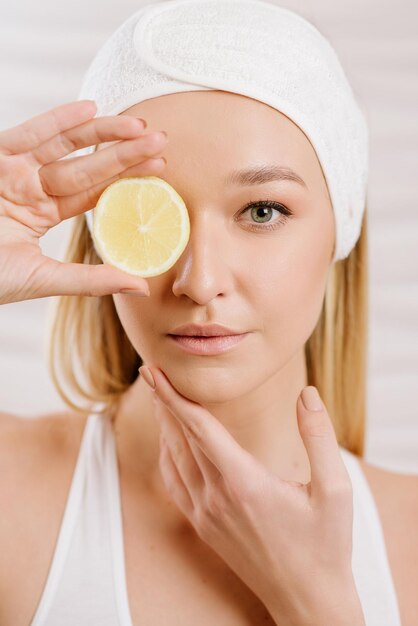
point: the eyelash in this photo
(269, 204)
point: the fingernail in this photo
(143, 121)
(147, 376)
(137, 292)
(311, 399)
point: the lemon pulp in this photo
(141, 225)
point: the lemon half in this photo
(141, 225)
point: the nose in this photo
(204, 270)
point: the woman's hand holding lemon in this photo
(38, 191)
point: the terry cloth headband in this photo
(253, 48)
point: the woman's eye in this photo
(262, 212)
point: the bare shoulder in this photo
(30, 448)
(37, 459)
(396, 497)
(392, 489)
(29, 443)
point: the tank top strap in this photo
(116, 526)
(86, 581)
(370, 564)
(68, 521)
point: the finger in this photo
(33, 132)
(63, 279)
(173, 481)
(328, 472)
(181, 454)
(210, 472)
(209, 434)
(69, 206)
(93, 132)
(199, 471)
(70, 176)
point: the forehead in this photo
(215, 113)
(227, 127)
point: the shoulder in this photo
(392, 489)
(24, 441)
(37, 459)
(30, 447)
(35, 454)
(396, 497)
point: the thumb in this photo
(88, 280)
(328, 471)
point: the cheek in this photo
(136, 317)
(288, 298)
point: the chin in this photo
(204, 384)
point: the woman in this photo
(272, 542)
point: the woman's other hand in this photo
(290, 542)
(38, 191)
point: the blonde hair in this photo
(90, 353)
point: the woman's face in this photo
(257, 270)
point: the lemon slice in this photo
(141, 225)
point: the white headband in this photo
(253, 48)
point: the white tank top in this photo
(86, 582)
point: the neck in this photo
(263, 421)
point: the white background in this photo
(45, 48)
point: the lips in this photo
(207, 346)
(204, 330)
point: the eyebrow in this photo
(265, 173)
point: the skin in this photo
(269, 282)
